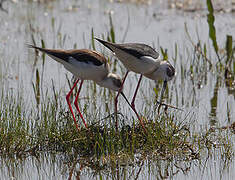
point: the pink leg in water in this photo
(76, 103)
(141, 122)
(136, 90)
(70, 107)
(133, 103)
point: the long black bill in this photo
(163, 90)
(163, 104)
(161, 95)
(132, 108)
(125, 98)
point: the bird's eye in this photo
(170, 71)
(118, 83)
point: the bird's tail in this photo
(38, 48)
(57, 55)
(107, 44)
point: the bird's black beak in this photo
(161, 95)
(125, 98)
(163, 90)
(164, 85)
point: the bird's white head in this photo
(164, 72)
(169, 71)
(112, 81)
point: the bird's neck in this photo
(106, 82)
(158, 73)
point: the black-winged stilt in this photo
(144, 60)
(85, 64)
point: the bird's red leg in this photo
(136, 90)
(116, 98)
(133, 103)
(76, 103)
(68, 101)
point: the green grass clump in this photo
(50, 128)
(46, 129)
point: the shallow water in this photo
(62, 167)
(65, 24)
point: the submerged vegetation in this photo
(47, 127)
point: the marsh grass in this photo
(50, 130)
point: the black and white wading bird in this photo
(144, 60)
(85, 64)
